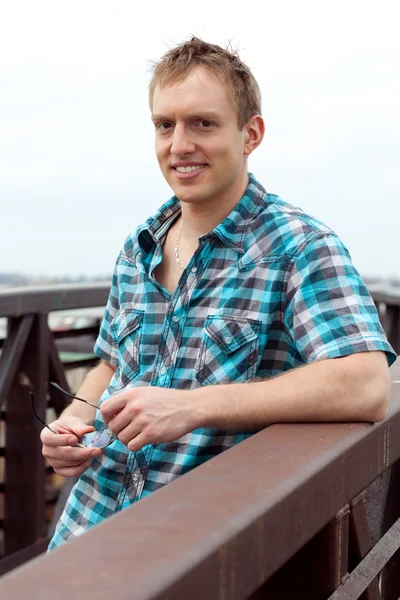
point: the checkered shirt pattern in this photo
(269, 289)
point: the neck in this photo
(202, 217)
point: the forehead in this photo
(200, 90)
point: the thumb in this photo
(83, 428)
(78, 428)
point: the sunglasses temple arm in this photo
(45, 424)
(85, 401)
(48, 427)
(37, 416)
(72, 395)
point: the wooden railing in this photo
(389, 313)
(281, 515)
(29, 360)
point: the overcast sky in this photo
(77, 165)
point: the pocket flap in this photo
(231, 333)
(125, 322)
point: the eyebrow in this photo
(206, 115)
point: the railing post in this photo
(391, 324)
(361, 543)
(390, 581)
(25, 472)
(317, 569)
(389, 314)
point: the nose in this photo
(181, 141)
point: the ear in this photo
(254, 134)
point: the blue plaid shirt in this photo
(269, 289)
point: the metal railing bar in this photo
(45, 299)
(370, 567)
(12, 353)
(76, 333)
(18, 558)
(386, 298)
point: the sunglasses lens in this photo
(98, 439)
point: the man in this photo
(216, 303)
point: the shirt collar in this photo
(231, 230)
(151, 231)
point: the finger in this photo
(128, 433)
(53, 439)
(112, 406)
(120, 422)
(75, 440)
(73, 471)
(79, 429)
(61, 464)
(58, 462)
(62, 435)
(67, 453)
(138, 442)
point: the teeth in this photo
(189, 169)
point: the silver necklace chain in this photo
(178, 237)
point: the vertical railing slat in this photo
(361, 543)
(25, 472)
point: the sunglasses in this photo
(95, 439)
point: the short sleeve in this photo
(329, 312)
(105, 346)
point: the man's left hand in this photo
(149, 415)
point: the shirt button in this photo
(163, 370)
(175, 319)
(194, 269)
(228, 340)
(135, 476)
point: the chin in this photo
(186, 193)
(187, 196)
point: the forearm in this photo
(353, 388)
(92, 388)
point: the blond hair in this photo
(177, 63)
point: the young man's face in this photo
(200, 150)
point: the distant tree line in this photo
(17, 279)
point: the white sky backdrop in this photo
(77, 166)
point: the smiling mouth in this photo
(189, 169)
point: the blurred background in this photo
(77, 165)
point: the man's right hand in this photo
(62, 452)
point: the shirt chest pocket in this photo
(229, 350)
(125, 330)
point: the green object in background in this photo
(67, 357)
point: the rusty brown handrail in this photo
(222, 530)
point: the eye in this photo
(164, 126)
(205, 124)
